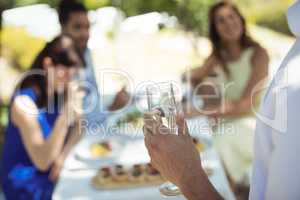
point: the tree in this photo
(191, 14)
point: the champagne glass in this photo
(167, 105)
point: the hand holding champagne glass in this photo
(167, 111)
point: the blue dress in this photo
(20, 178)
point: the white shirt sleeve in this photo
(283, 180)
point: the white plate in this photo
(83, 150)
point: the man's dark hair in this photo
(67, 7)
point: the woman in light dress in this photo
(231, 74)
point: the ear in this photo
(47, 62)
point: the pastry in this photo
(137, 174)
(120, 175)
(105, 175)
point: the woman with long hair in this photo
(236, 66)
(237, 63)
(41, 115)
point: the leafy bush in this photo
(271, 13)
(19, 47)
(94, 4)
(191, 14)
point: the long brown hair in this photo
(59, 55)
(246, 41)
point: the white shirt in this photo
(276, 170)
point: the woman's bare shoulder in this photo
(23, 109)
(211, 61)
(260, 53)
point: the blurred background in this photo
(163, 36)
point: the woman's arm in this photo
(74, 138)
(260, 62)
(42, 152)
(58, 164)
(199, 73)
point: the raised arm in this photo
(73, 139)
(259, 75)
(199, 73)
(41, 151)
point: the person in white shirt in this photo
(276, 170)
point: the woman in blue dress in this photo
(41, 117)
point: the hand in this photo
(121, 99)
(174, 156)
(192, 76)
(56, 168)
(226, 109)
(73, 105)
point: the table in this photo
(76, 175)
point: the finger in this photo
(163, 130)
(151, 142)
(150, 126)
(155, 163)
(149, 148)
(52, 175)
(147, 143)
(152, 114)
(146, 131)
(152, 120)
(182, 125)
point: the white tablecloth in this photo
(76, 176)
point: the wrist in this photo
(197, 187)
(63, 156)
(191, 182)
(63, 120)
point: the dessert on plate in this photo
(100, 149)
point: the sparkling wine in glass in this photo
(169, 109)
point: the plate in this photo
(95, 150)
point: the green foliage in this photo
(6, 4)
(136, 7)
(191, 14)
(15, 47)
(271, 13)
(94, 4)
(3, 116)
